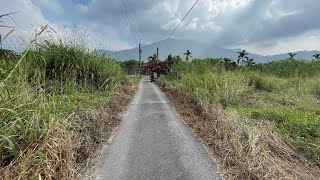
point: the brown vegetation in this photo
(70, 154)
(96, 128)
(242, 149)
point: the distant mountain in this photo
(199, 50)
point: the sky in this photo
(260, 26)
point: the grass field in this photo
(284, 94)
(58, 102)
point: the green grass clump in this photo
(68, 64)
(7, 60)
(300, 128)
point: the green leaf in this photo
(12, 145)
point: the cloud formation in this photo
(49, 5)
(266, 27)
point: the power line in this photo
(180, 23)
(127, 20)
(183, 19)
(131, 21)
(138, 9)
(133, 13)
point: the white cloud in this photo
(224, 22)
(211, 27)
(274, 13)
(307, 41)
(171, 25)
(252, 24)
(83, 9)
(30, 16)
(24, 21)
(193, 25)
(239, 3)
(50, 5)
(106, 37)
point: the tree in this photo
(188, 54)
(250, 62)
(292, 55)
(169, 61)
(131, 66)
(152, 58)
(242, 55)
(227, 63)
(177, 66)
(178, 58)
(317, 56)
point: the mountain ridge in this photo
(199, 50)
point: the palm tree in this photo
(152, 58)
(177, 58)
(250, 62)
(242, 55)
(169, 60)
(188, 54)
(317, 56)
(226, 63)
(292, 55)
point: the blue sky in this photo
(260, 26)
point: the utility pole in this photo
(140, 52)
(140, 56)
(157, 54)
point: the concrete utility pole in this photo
(140, 51)
(140, 55)
(157, 54)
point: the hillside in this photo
(199, 50)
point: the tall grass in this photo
(61, 63)
(290, 68)
(283, 92)
(40, 92)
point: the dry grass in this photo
(96, 128)
(44, 132)
(56, 146)
(59, 154)
(242, 148)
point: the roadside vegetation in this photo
(59, 103)
(131, 67)
(259, 120)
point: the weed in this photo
(281, 93)
(43, 92)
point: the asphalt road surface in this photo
(153, 143)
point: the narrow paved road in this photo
(153, 143)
